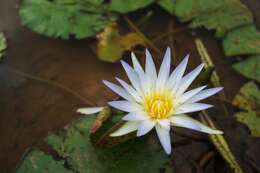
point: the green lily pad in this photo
(249, 68)
(248, 99)
(59, 18)
(137, 155)
(224, 19)
(3, 44)
(242, 41)
(168, 5)
(188, 9)
(37, 161)
(126, 6)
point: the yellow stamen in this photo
(158, 105)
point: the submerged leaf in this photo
(3, 45)
(37, 161)
(242, 41)
(125, 6)
(249, 68)
(112, 45)
(64, 18)
(248, 99)
(250, 119)
(142, 155)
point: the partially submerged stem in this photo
(173, 32)
(52, 83)
(221, 144)
(209, 64)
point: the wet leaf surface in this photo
(242, 41)
(37, 161)
(112, 44)
(248, 99)
(249, 68)
(128, 5)
(233, 14)
(75, 146)
(64, 18)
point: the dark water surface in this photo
(30, 109)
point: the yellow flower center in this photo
(158, 105)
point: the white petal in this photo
(187, 95)
(119, 90)
(150, 68)
(164, 137)
(165, 123)
(125, 105)
(132, 75)
(187, 122)
(191, 107)
(126, 128)
(164, 69)
(89, 110)
(188, 79)
(177, 74)
(135, 116)
(130, 90)
(204, 94)
(145, 126)
(138, 68)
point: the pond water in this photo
(71, 77)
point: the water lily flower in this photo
(159, 100)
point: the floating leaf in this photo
(250, 119)
(64, 18)
(242, 41)
(250, 67)
(224, 19)
(112, 45)
(37, 161)
(248, 99)
(142, 155)
(125, 6)
(168, 5)
(3, 45)
(188, 9)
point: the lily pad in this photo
(126, 6)
(37, 161)
(168, 5)
(188, 9)
(252, 121)
(248, 99)
(242, 41)
(137, 155)
(64, 18)
(224, 19)
(111, 44)
(3, 45)
(249, 68)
